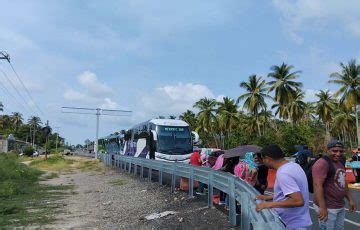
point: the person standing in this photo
(330, 188)
(291, 197)
(263, 170)
(195, 159)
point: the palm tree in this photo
(227, 116)
(296, 106)
(265, 118)
(344, 121)
(190, 118)
(283, 85)
(325, 107)
(254, 98)
(206, 113)
(206, 116)
(349, 92)
(309, 111)
(172, 117)
(34, 123)
(17, 120)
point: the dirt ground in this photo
(111, 199)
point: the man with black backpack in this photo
(330, 188)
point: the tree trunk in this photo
(327, 134)
(357, 125)
(258, 126)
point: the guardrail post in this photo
(129, 167)
(232, 202)
(245, 217)
(173, 178)
(142, 171)
(210, 191)
(135, 168)
(149, 175)
(160, 173)
(191, 183)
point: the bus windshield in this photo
(174, 140)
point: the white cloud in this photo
(73, 95)
(170, 100)
(91, 93)
(10, 38)
(318, 14)
(109, 104)
(94, 87)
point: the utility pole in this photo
(57, 137)
(98, 112)
(4, 55)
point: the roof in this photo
(169, 122)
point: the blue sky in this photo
(159, 57)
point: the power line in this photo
(11, 96)
(97, 112)
(16, 90)
(6, 56)
(26, 90)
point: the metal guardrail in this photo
(237, 189)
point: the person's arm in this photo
(265, 197)
(318, 184)
(294, 200)
(352, 203)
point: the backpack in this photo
(308, 171)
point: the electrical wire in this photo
(26, 90)
(11, 96)
(17, 91)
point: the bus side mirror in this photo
(154, 134)
(196, 136)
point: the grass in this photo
(55, 162)
(23, 201)
(90, 165)
(118, 182)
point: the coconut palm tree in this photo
(206, 116)
(34, 123)
(283, 85)
(349, 81)
(309, 111)
(296, 106)
(265, 118)
(17, 120)
(254, 98)
(344, 122)
(325, 107)
(227, 116)
(189, 117)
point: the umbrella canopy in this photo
(241, 150)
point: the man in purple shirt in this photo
(291, 196)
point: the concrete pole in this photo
(96, 147)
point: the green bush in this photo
(28, 151)
(15, 177)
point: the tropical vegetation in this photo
(274, 110)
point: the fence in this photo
(237, 189)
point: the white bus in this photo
(161, 139)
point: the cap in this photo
(335, 143)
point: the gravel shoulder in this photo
(111, 199)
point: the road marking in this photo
(311, 202)
(311, 207)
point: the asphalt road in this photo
(352, 220)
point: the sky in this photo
(159, 57)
